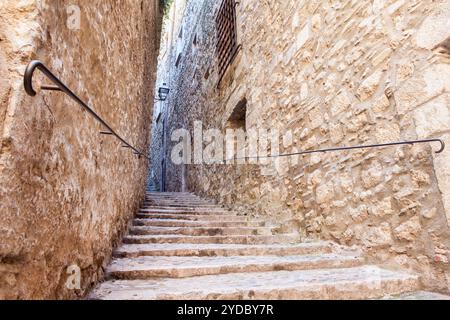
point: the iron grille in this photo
(227, 46)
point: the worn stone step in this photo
(185, 210)
(348, 283)
(175, 200)
(184, 207)
(213, 250)
(187, 213)
(170, 193)
(173, 197)
(275, 239)
(194, 224)
(181, 205)
(181, 200)
(200, 231)
(419, 295)
(182, 267)
(193, 217)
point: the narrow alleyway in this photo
(247, 149)
(184, 247)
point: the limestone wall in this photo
(334, 73)
(67, 193)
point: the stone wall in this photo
(334, 73)
(67, 193)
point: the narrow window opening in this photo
(238, 117)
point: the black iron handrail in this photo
(60, 86)
(380, 145)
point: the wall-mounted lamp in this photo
(163, 92)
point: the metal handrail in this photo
(60, 86)
(412, 142)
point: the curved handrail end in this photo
(28, 77)
(28, 85)
(442, 146)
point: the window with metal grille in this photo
(227, 46)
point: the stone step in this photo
(173, 197)
(194, 224)
(214, 250)
(180, 202)
(182, 267)
(193, 217)
(366, 282)
(200, 231)
(186, 210)
(170, 193)
(275, 239)
(172, 204)
(419, 295)
(161, 205)
(182, 206)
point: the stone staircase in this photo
(183, 247)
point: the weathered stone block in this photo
(437, 79)
(420, 177)
(369, 85)
(434, 29)
(433, 117)
(409, 230)
(387, 132)
(382, 208)
(376, 236)
(340, 103)
(373, 175)
(325, 193)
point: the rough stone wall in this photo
(335, 73)
(67, 193)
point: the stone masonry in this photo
(334, 73)
(66, 192)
